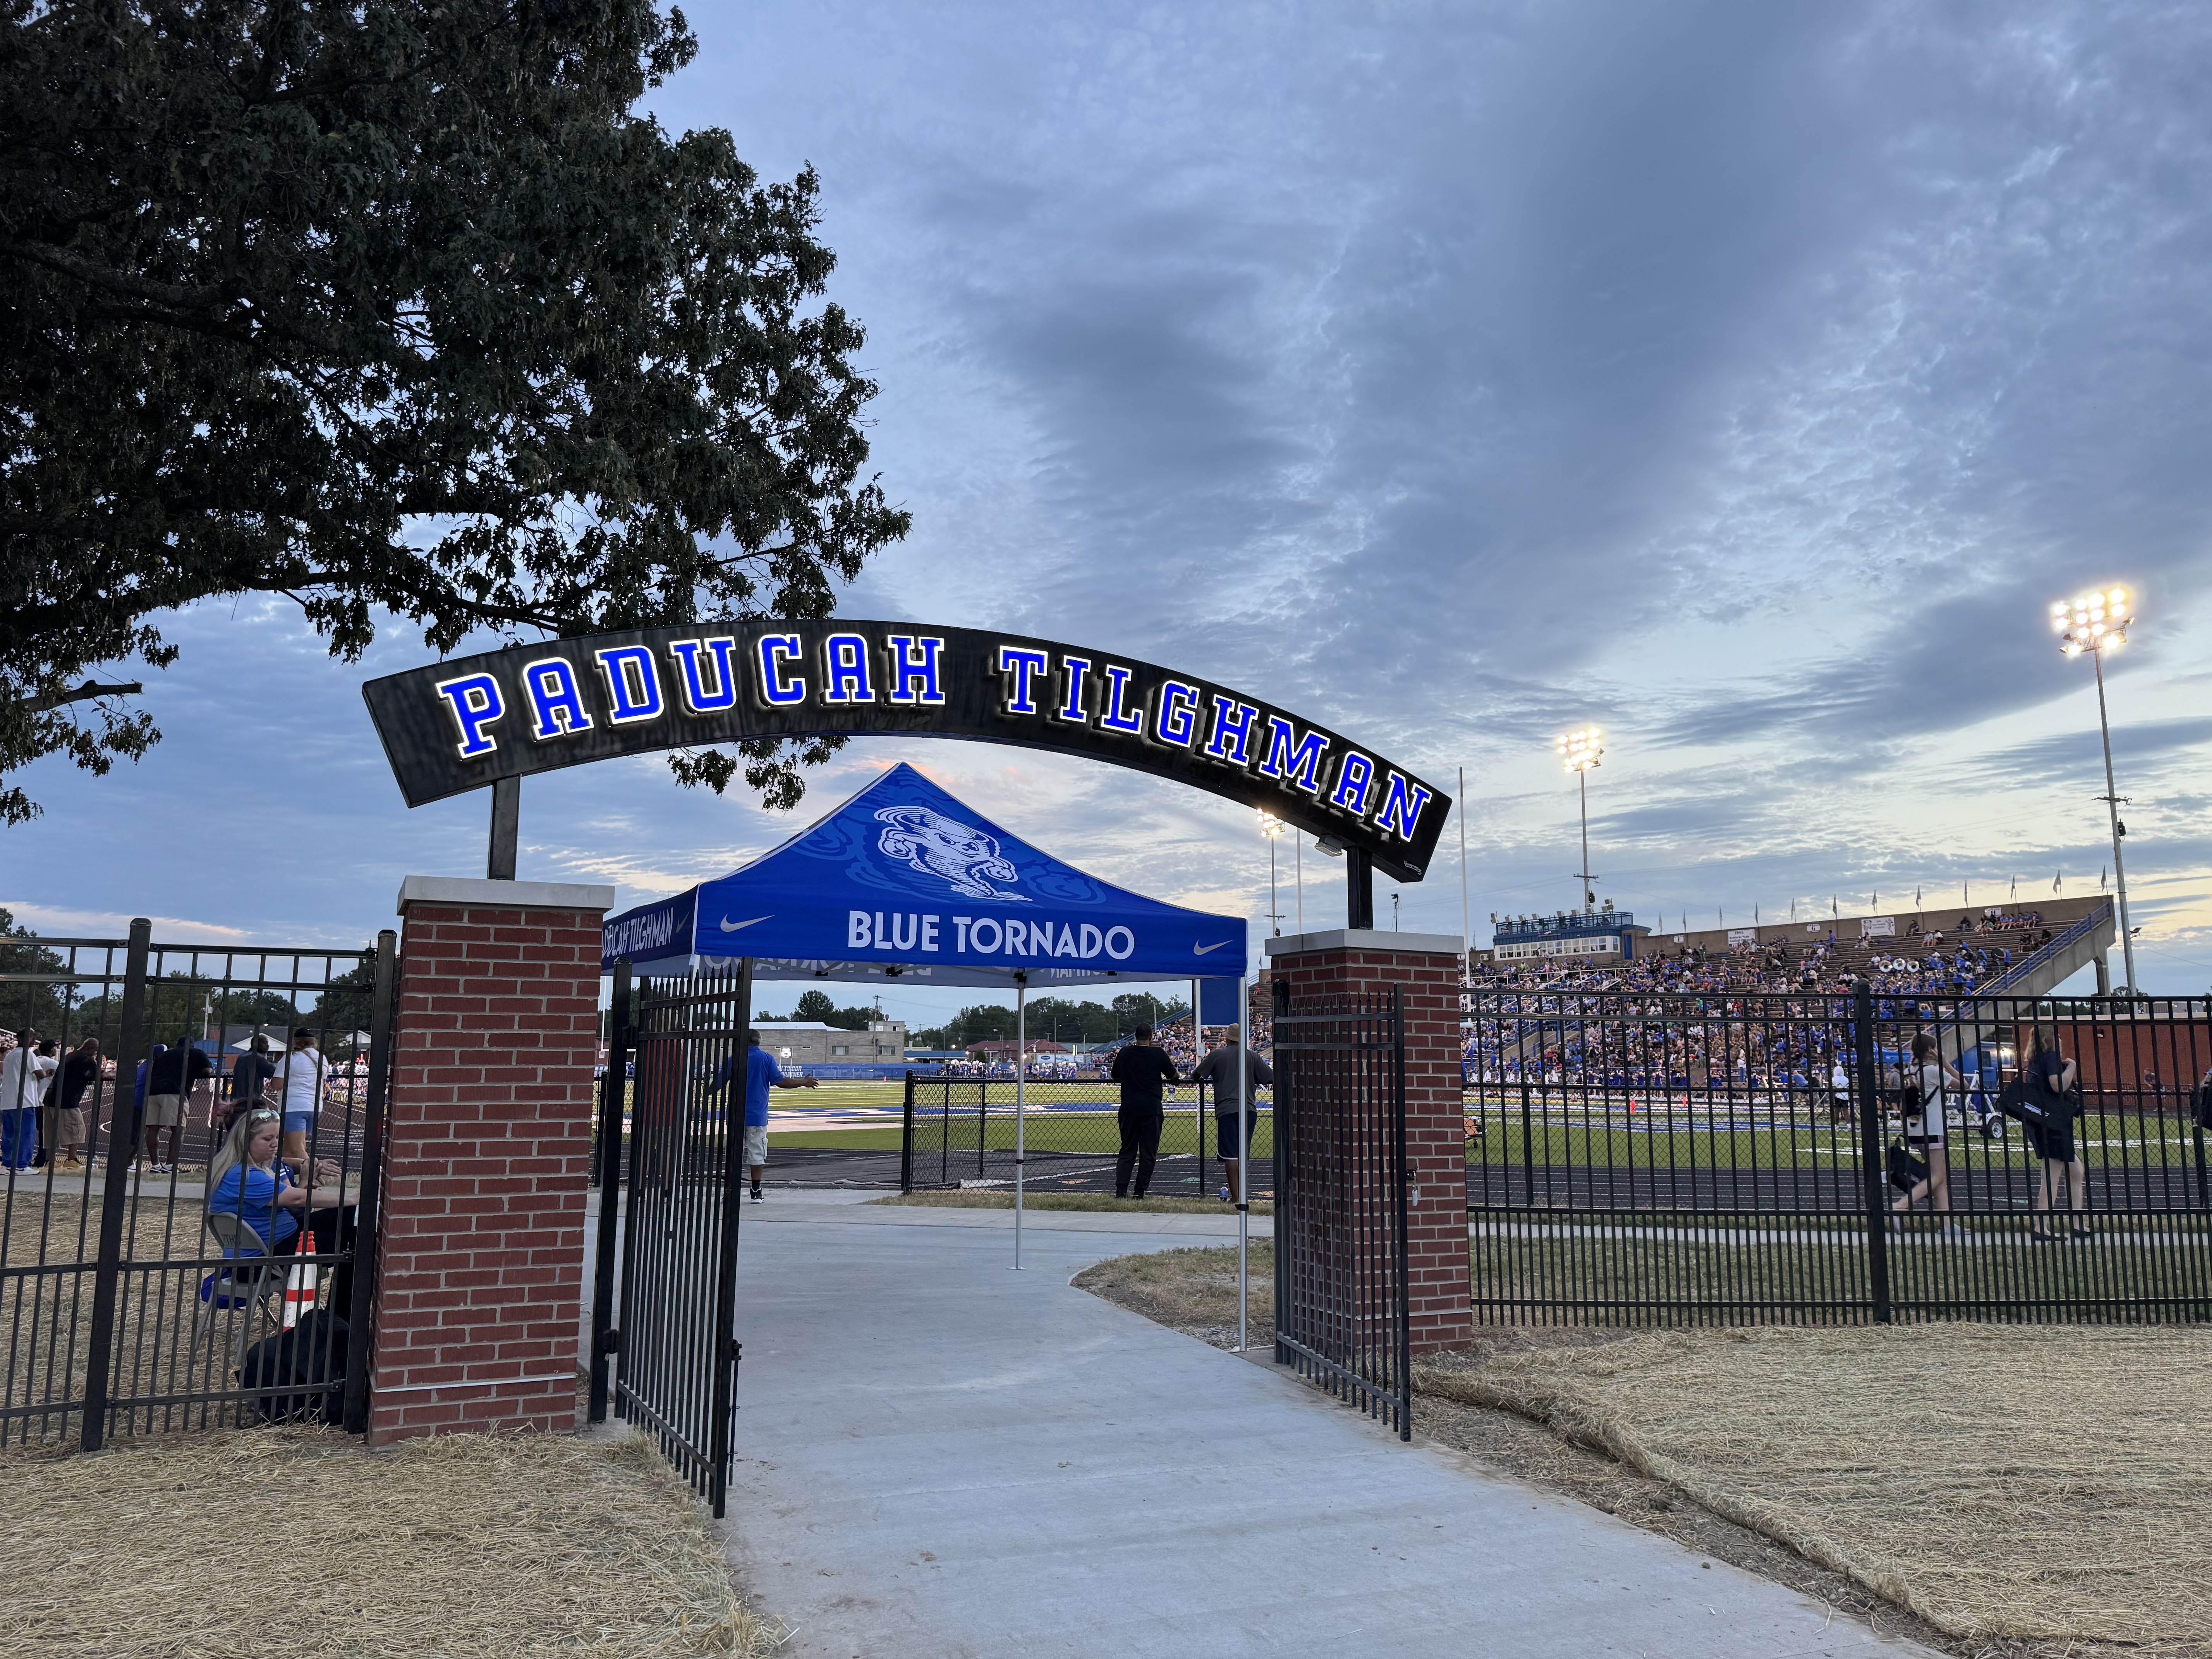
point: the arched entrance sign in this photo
(474, 721)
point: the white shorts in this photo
(755, 1144)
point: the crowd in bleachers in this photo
(1774, 1026)
(1099, 1062)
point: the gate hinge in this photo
(610, 1341)
(736, 1351)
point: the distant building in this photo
(809, 1042)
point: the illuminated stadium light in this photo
(1273, 827)
(1579, 749)
(1579, 752)
(2097, 621)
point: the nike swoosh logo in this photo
(1208, 949)
(729, 927)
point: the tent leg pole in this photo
(1197, 1093)
(1021, 1108)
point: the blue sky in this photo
(1745, 379)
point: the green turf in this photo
(1055, 1132)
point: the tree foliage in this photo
(398, 309)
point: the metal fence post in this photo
(614, 1092)
(906, 1139)
(1285, 1215)
(1402, 1221)
(1873, 1166)
(361, 1316)
(124, 1129)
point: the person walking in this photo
(1219, 1069)
(2051, 1078)
(1142, 1068)
(23, 1074)
(65, 1107)
(1924, 1106)
(169, 1079)
(762, 1074)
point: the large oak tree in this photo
(398, 309)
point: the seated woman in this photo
(247, 1179)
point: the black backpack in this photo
(312, 1356)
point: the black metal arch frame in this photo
(477, 721)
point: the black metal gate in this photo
(135, 1295)
(677, 1193)
(1342, 1296)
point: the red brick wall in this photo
(1436, 1119)
(480, 1257)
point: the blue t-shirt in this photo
(257, 1208)
(760, 1073)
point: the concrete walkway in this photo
(939, 1456)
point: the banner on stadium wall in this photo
(472, 721)
(1743, 936)
(1877, 927)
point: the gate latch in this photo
(736, 1351)
(610, 1340)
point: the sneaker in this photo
(756, 1195)
(1225, 1194)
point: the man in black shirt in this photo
(1140, 1068)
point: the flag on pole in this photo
(2058, 882)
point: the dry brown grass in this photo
(974, 1199)
(2003, 1482)
(1193, 1291)
(301, 1541)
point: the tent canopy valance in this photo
(904, 881)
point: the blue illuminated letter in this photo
(1232, 731)
(633, 683)
(1355, 780)
(474, 702)
(1117, 716)
(556, 704)
(1298, 761)
(1178, 721)
(710, 684)
(845, 667)
(1402, 806)
(780, 688)
(1075, 706)
(913, 662)
(1025, 666)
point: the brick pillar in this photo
(480, 1255)
(1427, 967)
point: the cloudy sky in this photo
(1746, 378)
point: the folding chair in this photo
(250, 1277)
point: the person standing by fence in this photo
(1142, 1067)
(1218, 1070)
(302, 1075)
(762, 1074)
(2051, 1079)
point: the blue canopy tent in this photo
(905, 882)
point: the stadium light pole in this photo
(1271, 827)
(1579, 752)
(2097, 621)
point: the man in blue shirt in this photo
(762, 1074)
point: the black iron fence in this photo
(672, 1327)
(1342, 1274)
(961, 1132)
(1664, 1159)
(190, 1144)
